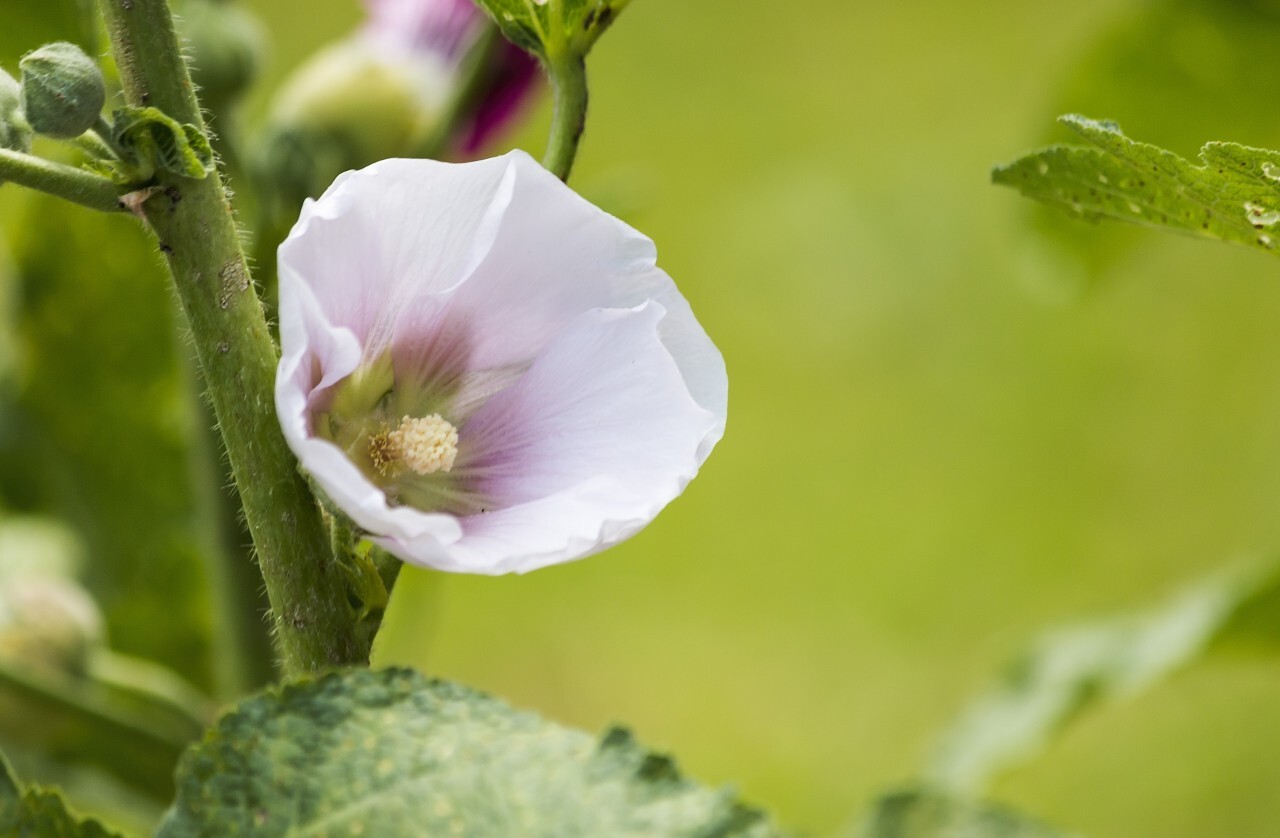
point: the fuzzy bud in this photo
(15, 134)
(62, 90)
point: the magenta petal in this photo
(515, 73)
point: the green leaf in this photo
(554, 28)
(921, 813)
(1234, 195)
(1210, 79)
(1072, 668)
(148, 139)
(36, 813)
(393, 753)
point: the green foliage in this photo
(150, 140)
(1070, 669)
(36, 813)
(1233, 196)
(99, 427)
(64, 697)
(1210, 78)
(556, 27)
(393, 753)
(922, 813)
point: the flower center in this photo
(422, 445)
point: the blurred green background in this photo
(956, 419)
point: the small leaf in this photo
(554, 28)
(1072, 668)
(1233, 196)
(393, 753)
(149, 139)
(921, 813)
(37, 812)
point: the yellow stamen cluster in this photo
(423, 445)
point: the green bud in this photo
(226, 44)
(347, 107)
(15, 134)
(62, 90)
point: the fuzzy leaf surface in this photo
(393, 753)
(39, 813)
(1232, 195)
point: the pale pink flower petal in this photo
(584, 393)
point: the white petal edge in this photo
(440, 540)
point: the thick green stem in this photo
(568, 74)
(75, 185)
(314, 624)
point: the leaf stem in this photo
(315, 626)
(568, 74)
(67, 182)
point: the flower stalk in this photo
(66, 182)
(314, 624)
(568, 74)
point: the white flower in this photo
(484, 371)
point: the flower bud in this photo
(48, 623)
(62, 90)
(385, 91)
(15, 134)
(225, 44)
(47, 620)
(344, 108)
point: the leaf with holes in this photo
(1234, 195)
(553, 28)
(393, 753)
(38, 812)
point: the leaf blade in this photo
(392, 752)
(1069, 669)
(1232, 195)
(924, 813)
(35, 811)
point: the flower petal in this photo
(586, 393)
(580, 453)
(389, 236)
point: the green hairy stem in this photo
(314, 624)
(67, 182)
